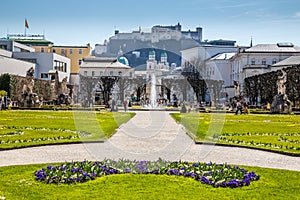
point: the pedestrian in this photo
(238, 107)
(245, 107)
(125, 105)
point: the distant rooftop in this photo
(275, 48)
(223, 56)
(35, 40)
(290, 61)
(66, 46)
(106, 62)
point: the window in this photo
(274, 61)
(64, 68)
(130, 74)
(42, 49)
(54, 50)
(264, 62)
(71, 51)
(111, 73)
(120, 73)
(253, 61)
(62, 51)
(101, 73)
(80, 51)
(3, 46)
(85, 73)
(44, 75)
(60, 66)
(79, 62)
(29, 60)
(93, 73)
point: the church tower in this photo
(151, 62)
(163, 64)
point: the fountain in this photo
(153, 103)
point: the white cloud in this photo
(297, 14)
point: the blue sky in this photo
(72, 22)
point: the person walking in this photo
(238, 107)
(125, 105)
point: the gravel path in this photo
(149, 136)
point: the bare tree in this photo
(194, 71)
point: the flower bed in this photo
(286, 141)
(217, 175)
(61, 134)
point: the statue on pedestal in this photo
(281, 83)
(280, 103)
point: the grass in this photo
(17, 182)
(279, 133)
(31, 128)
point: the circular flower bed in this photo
(217, 175)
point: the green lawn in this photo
(28, 128)
(17, 182)
(274, 132)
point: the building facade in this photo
(259, 59)
(10, 65)
(46, 64)
(41, 45)
(101, 66)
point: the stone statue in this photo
(64, 88)
(237, 88)
(281, 83)
(27, 89)
(30, 72)
(280, 103)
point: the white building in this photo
(13, 46)
(9, 65)
(100, 49)
(46, 64)
(260, 59)
(101, 66)
(218, 67)
(204, 52)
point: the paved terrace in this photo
(149, 136)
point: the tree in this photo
(123, 84)
(140, 87)
(5, 83)
(194, 71)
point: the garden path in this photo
(149, 136)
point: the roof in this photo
(293, 60)
(34, 42)
(66, 46)
(123, 60)
(103, 62)
(223, 56)
(273, 48)
(152, 52)
(164, 54)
